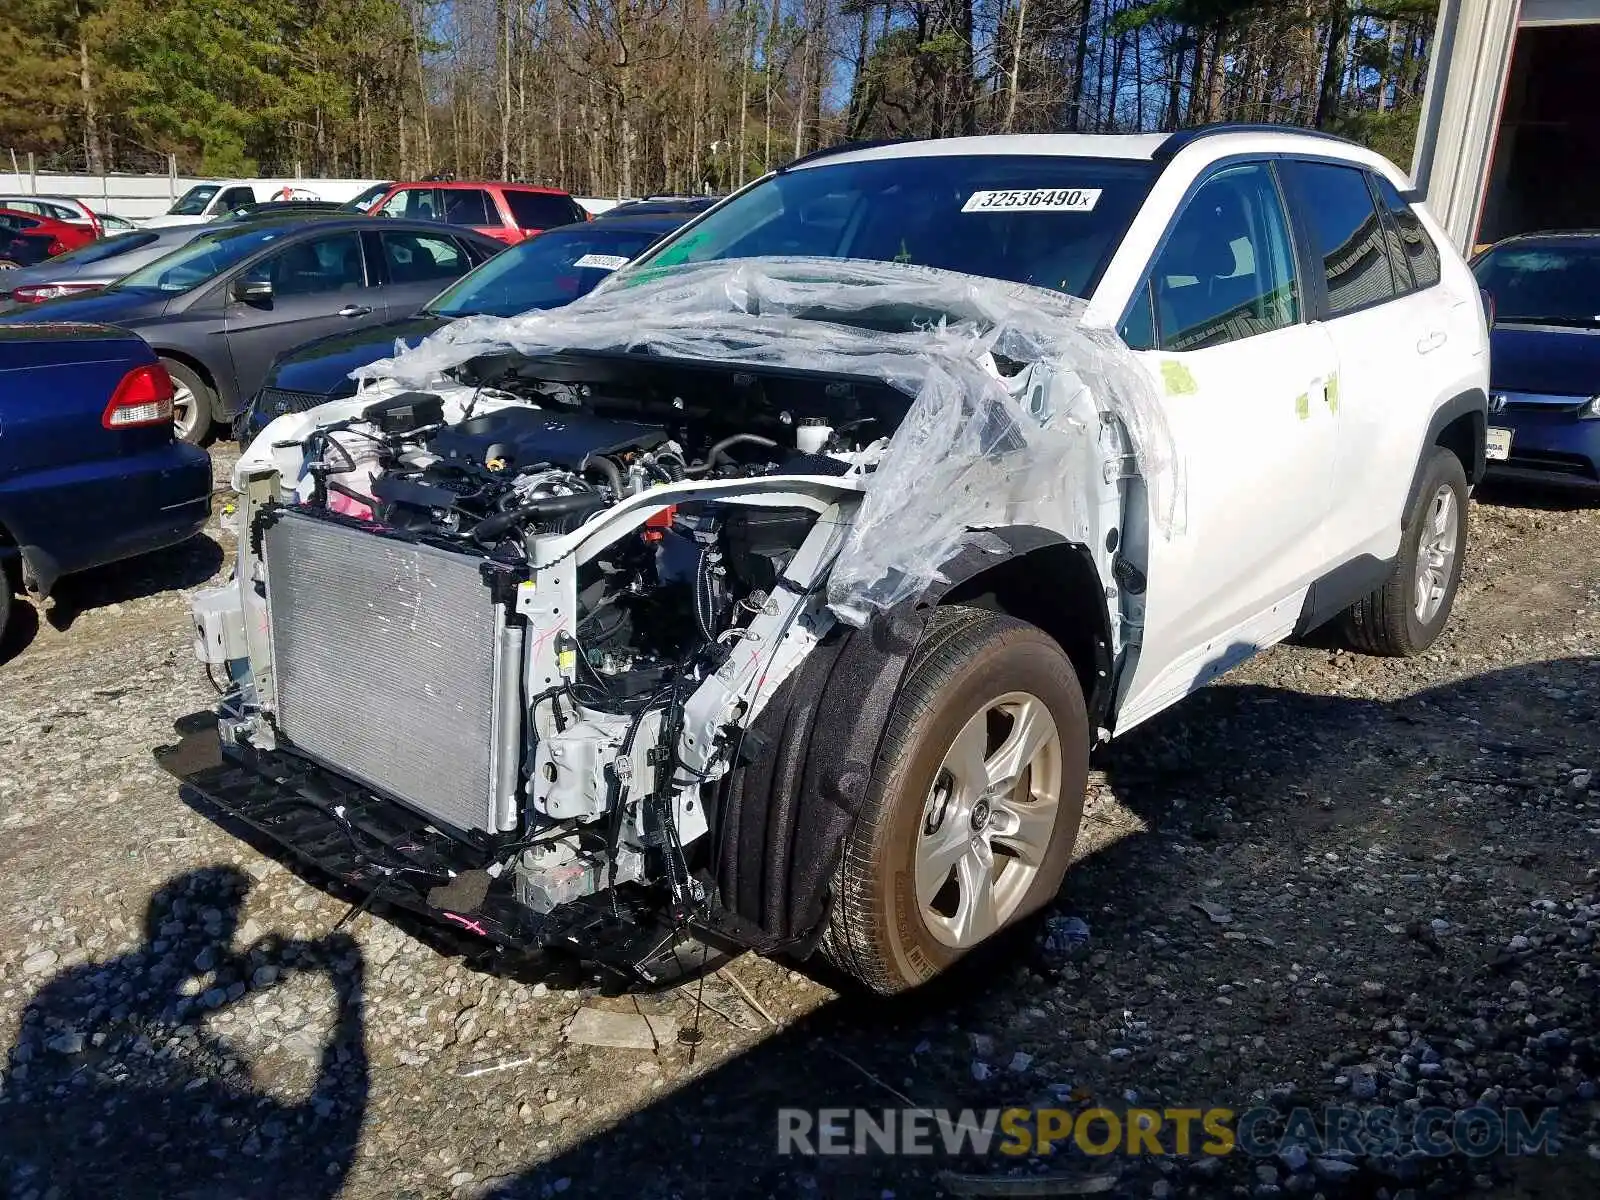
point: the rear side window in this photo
(421, 257)
(468, 206)
(1346, 235)
(541, 210)
(1227, 270)
(1422, 256)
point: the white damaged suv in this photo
(774, 595)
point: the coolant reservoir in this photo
(362, 453)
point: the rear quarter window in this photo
(1422, 256)
(541, 210)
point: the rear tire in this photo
(1406, 615)
(193, 404)
(971, 815)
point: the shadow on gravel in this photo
(1245, 778)
(185, 565)
(117, 1085)
(1544, 497)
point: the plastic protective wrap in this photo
(1005, 382)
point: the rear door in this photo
(320, 284)
(1384, 338)
(1220, 326)
(417, 266)
(475, 208)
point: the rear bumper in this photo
(85, 515)
(384, 850)
(1549, 447)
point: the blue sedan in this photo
(1544, 364)
(89, 470)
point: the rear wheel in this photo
(1406, 615)
(971, 815)
(193, 403)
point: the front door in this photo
(320, 285)
(1243, 381)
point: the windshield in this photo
(366, 199)
(1547, 285)
(105, 248)
(548, 271)
(193, 202)
(1051, 221)
(201, 260)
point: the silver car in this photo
(92, 267)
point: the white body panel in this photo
(262, 191)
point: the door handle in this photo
(354, 310)
(1430, 342)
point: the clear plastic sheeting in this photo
(1006, 383)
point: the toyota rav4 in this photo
(775, 594)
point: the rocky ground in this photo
(1328, 880)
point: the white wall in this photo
(1466, 80)
(1466, 87)
(132, 196)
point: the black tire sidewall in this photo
(1026, 660)
(1443, 468)
(204, 398)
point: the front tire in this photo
(193, 404)
(1406, 615)
(970, 817)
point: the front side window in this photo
(1227, 270)
(419, 257)
(236, 197)
(414, 204)
(1422, 256)
(1047, 220)
(314, 266)
(1346, 235)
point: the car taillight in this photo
(144, 397)
(38, 293)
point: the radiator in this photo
(394, 666)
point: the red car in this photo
(27, 239)
(508, 212)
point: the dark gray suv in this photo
(219, 309)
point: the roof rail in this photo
(1184, 137)
(844, 148)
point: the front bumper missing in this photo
(386, 852)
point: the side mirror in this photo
(253, 291)
(1488, 306)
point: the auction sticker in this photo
(1034, 200)
(605, 262)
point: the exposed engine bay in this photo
(513, 630)
(591, 596)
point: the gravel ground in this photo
(1325, 880)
